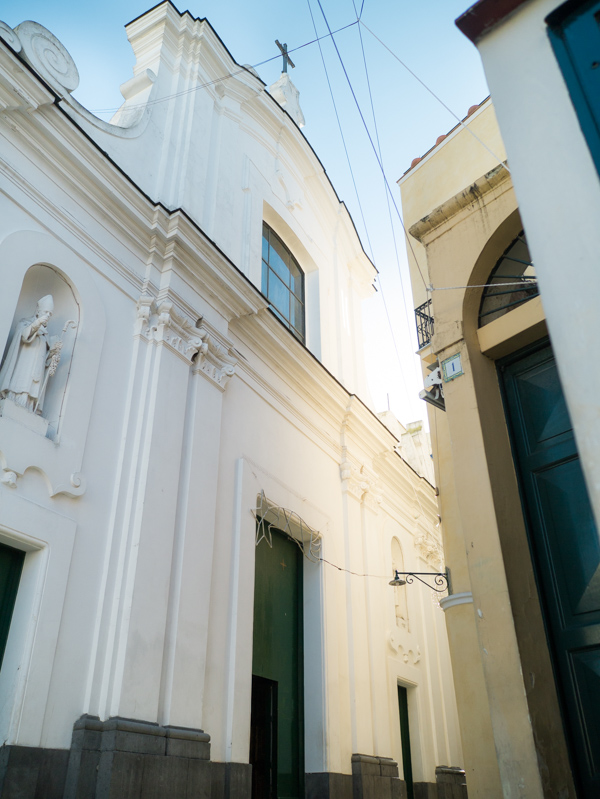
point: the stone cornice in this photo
(469, 196)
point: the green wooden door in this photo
(565, 547)
(11, 566)
(405, 740)
(277, 731)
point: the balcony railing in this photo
(424, 320)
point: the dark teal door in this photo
(565, 547)
(405, 740)
(277, 720)
(11, 566)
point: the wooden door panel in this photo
(565, 547)
(573, 547)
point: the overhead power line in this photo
(372, 143)
(337, 116)
(383, 298)
(434, 95)
(239, 71)
(406, 317)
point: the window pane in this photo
(297, 314)
(283, 282)
(279, 259)
(279, 295)
(296, 280)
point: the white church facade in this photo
(199, 512)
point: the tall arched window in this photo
(283, 282)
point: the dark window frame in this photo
(283, 283)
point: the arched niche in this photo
(31, 258)
(42, 280)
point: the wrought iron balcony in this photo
(424, 320)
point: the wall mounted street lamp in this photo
(441, 580)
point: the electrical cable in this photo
(219, 80)
(372, 143)
(433, 94)
(528, 282)
(408, 394)
(408, 325)
(318, 40)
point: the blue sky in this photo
(409, 119)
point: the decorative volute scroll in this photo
(8, 35)
(48, 57)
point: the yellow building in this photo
(519, 535)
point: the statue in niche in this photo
(32, 358)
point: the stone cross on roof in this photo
(286, 59)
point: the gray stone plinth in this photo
(328, 785)
(126, 757)
(376, 778)
(451, 782)
(27, 771)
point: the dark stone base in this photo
(451, 782)
(126, 759)
(123, 759)
(231, 780)
(27, 771)
(376, 778)
(425, 790)
(328, 785)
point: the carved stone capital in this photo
(162, 324)
(215, 359)
(429, 549)
(9, 478)
(361, 482)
